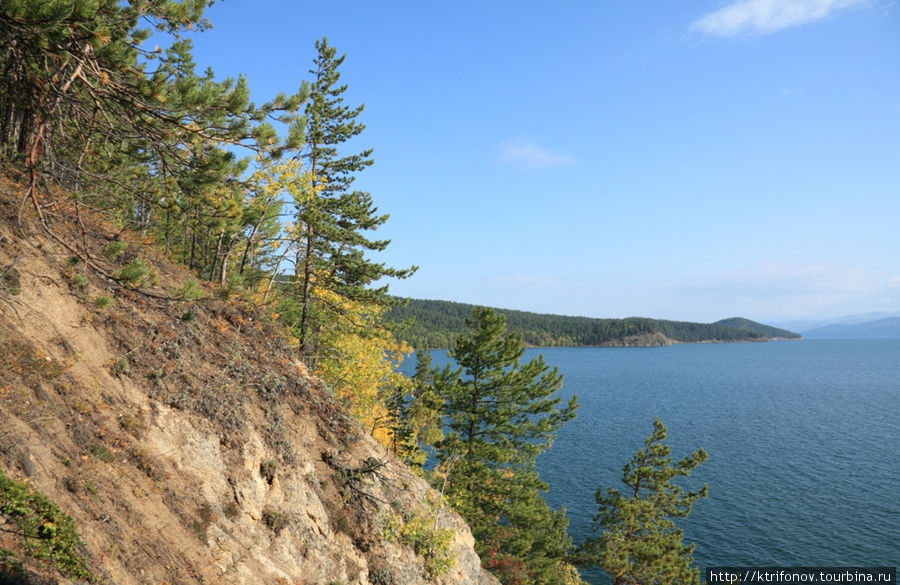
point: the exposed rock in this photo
(656, 339)
(196, 452)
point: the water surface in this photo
(802, 436)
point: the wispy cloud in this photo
(760, 17)
(527, 153)
(786, 290)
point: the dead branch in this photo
(354, 475)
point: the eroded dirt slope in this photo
(184, 438)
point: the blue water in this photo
(802, 436)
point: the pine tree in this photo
(332, 253)
(500, 415)
(85, 102)
(640, 544)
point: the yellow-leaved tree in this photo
(359, 360)
(355, 354)
(268, 241)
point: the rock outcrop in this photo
(187, 442)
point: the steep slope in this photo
(186, 441)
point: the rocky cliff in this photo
(184, 438)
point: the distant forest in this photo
(426, 324)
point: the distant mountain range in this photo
(805, 325)
(427, 324)
(889, 327)
(862, 325)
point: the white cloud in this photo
(525, 152)
(760, 17)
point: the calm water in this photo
(802, 436)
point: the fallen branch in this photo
(353, 475)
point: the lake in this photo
(802, 436)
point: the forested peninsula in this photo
(430, 324)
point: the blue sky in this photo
(682, 160)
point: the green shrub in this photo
(431, 543)
(136, 273)
(119, 367)
(267, 469)
(79, 281)
(102, 302)
(234, 286)
(275, 519)
(190, 290)
(231, 510)
(47, 533)
(102, 453)
(381, 575)
(201, 523)
(114, 249)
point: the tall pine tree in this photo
(331, 255)
(641, 544)
(500, 415)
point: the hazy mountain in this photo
(805, 325)
(889, 327)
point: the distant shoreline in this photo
(436, 324)
(620, 346)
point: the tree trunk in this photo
(215, 258)
(274, 275)
(226, 254)
(252, 235)
(307, 292)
